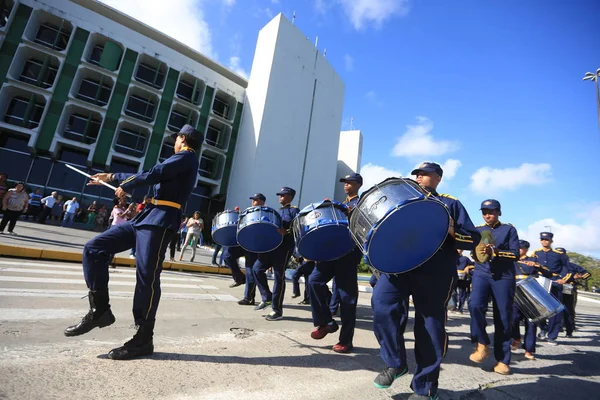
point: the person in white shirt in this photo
(195, 225)
(70, 208)
(47, 204)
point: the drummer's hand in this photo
(489, 249)
(529, 263)
(578, 276)
(120, 193)
(102, 177)
(561, 281)
(282, 231)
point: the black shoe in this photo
(295, 295)
(246, 302)
(140, 345)
(415, 396)
(386, 377)
(99, 315)
(236, 284)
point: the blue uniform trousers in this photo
(568, 301)
(373, 280)
(334, 302)
(530, 337)
(555, 322)
(430, 286)
(250, 289)
(304, 269)
(460, 296)
(150, 243)
(503, 293)
(232, 254)
(277, 259)
(344, 271)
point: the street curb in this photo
(56, 255)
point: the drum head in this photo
(259, 237)
(325, 244)
(226, 236)
(408, 236)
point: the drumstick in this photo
(90, 176)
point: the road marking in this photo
(30, 270)
(113, 282)
(27, 314)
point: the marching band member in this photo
(150, 232)
(258, 200)
(496, 277)
(277, 259)
(463, 284)
(577, 273)
(305, 268)
(558, 264)
(430, 286)
(344, 271)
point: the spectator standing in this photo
(193, 225)
(57, 208)
(35, 204)
(47, 205)
(70, 208)
(92, 214)
(14, 203)
(3, 184)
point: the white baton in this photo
(89, 176)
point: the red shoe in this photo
(322, 331)
(342, 348)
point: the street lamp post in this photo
(590, 76)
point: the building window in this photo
(83, 129)
(140, 108)
(24, 112)
(207, 166)
(38, 73)
(212, 136)
(221, 108)
(14, 156)
(150, 76)
(5, 9)
(52, 36)
(96, 54)
(166, 151)
(131, 143)
(65, 179)
(177, 120)
(40, 169)
(189, 92)
(94, 92)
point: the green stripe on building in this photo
(205, 109)
(61, 93)
(13, 38)
(162, 116)
(231, 149)
(113, 113)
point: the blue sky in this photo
(491, 90)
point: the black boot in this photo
(99, 315)
(140, 345)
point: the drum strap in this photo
(166, 203)
(521, 276)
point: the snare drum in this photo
(257, 229)
(545, 283)
(224, 228)
(567, 288)
(535, 302)
(398, 226)
(321, 231)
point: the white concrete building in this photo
(349, 158)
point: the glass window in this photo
(202, 189)
(207, 165)
(36, 74)
(166, 151)
(96, 54)
(196, 203)
(15, 164)
(73, 157)
(90, 91)
(39, 171)
(140, 108)
(63, 178)
(15, 143)
(177, 120)
(150, 76)
(22, 112)
(185, 91)
(221, 108)
(130, 142)
(52, 36)
(5, 8)
(83, 129)
(212, 136)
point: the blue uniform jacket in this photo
(577, 269)
(466, 235)
(172, 180)
(288, 213)
(555, 261)
(462, 262)
(351, 203)
(506, 241)
(525, 270)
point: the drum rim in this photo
(370, 234)
(259, 208)
(322, 204)
(214, 229)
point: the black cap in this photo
(546, 235)
(352, 178)
(523, 244)
(490, 204)
(190, 132)
(561, 249)
(428, 167)
(258, 196)
(286, 190)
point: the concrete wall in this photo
(349, 158)
(292, 115)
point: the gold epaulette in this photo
(481, 226)
(557, 251)
(463, 238)
(448, 196)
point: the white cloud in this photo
(418, 142)
(183, 20)
(234, 65)
(229, 3)
(582, 238)
(373, 98)
(376, 12)
(373, 174)
(349, 62)
(450, 167)
(488, 180)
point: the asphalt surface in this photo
(209, 347)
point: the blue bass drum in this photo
(224, 228)
(321, 231)
(257, 229)
(398, 225)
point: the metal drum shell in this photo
(224, 228)
(398, 226)
(534, 301)
(257, 229)
(323, 239)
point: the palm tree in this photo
(590, 76)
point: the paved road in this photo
(209, 347)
